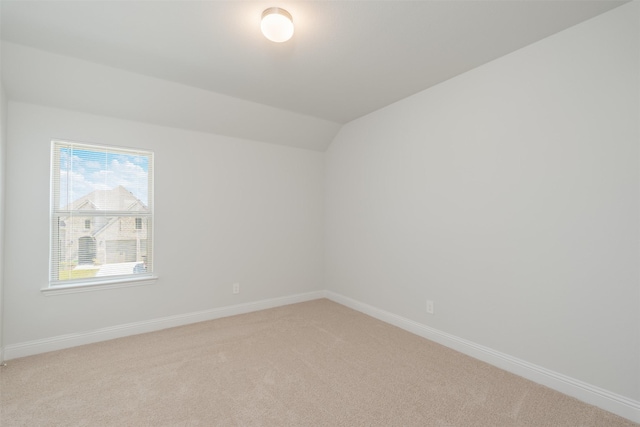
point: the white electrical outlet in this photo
(236, 288)
(429, 306)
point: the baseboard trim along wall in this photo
(604, 399)
(60, 342)
(617, 404)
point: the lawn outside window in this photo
(101, 216)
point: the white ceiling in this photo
(346, 58)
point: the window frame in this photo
(57, 286)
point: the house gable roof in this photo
(116, 199)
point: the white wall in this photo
(227, 210)
(508, 196)
(3, 144)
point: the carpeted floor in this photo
(311, 364)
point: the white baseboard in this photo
(604, 399)
(60, 342)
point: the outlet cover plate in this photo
(429, 306)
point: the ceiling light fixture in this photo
(277, 24)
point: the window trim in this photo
(93, 285)
(56, 287)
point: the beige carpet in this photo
(310, 364)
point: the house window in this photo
(101, 214)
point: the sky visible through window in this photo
(83, 171)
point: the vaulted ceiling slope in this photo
(217, 73)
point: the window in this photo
(101, 214)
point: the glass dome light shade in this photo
(277, 24)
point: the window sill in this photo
(98, 286)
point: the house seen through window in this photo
(101, 214)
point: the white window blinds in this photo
(101, 213)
